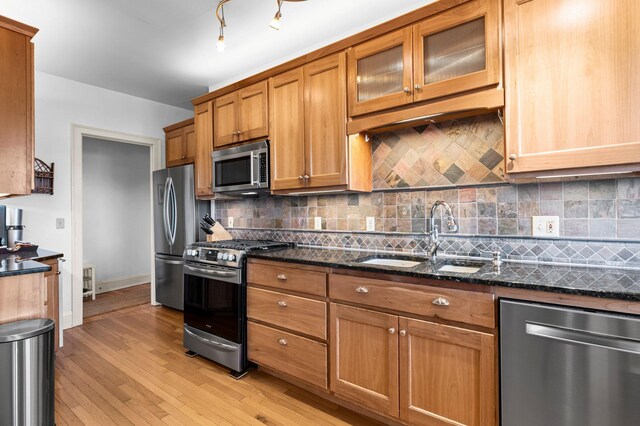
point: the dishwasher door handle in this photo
(582, 337)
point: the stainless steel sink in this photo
(399, 263)
(461, 266)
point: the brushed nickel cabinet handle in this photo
(512, 157)
(300, 177)
(362, 290)
(407, 90)
(392, 330)
(306, 176)
(403, 332)
(283, 342)
(417, 87)
(282, 303)
(440, 301)
(282, 277)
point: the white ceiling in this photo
(164, 50)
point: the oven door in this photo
(214, 300)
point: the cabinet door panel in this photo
(189, 143)
(252, 112)
(175, 147)
(379, 72)
(226, 120)
(325, 122)
(286, 110)
(457, 50)
(447, 375)
(203, 116)
(572, 84)
(364, 358)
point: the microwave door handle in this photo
(255, 169)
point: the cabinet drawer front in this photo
(286, 278)
(295, 313)
(454, 305)
(296, 356)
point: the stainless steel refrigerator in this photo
(176, 216)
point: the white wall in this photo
(59, 103)
(116, 210)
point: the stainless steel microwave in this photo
(242, 169)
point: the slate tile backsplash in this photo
(467, 156)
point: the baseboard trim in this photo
(106, 286)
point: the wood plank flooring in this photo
(128, 368)
(116, 300)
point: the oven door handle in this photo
(212, 273)
(223, 346)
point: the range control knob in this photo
(225, 256)
(219, 256)
(232, 258)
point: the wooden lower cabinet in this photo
(447, 375)
(52, 296)
(364, 358)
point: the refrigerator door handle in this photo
(165, 211)
(174, 211)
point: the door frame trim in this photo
(78, 132)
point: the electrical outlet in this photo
(317, 222)
(230, 222)
(545, 226)
(371, 223)
(60, 223)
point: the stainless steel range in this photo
(215, 296)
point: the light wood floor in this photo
(116, 300)
(128, 368)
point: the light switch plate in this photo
(230, 222)
(545, 226)
(371, 223)
(317, 222)
(60, 223)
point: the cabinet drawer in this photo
(294, 313)
(303, 281)
(450, 304)
(296, 356)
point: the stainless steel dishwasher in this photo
(569, 367)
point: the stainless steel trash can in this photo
(27, 373)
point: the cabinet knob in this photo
(282, 277)
(239, 132)
(282, 303)
(392, 330)
(362, 290)
(407, 90)
(283, 342)
(300, 177)
(512, 157)
(440, 301)
(402, 332)
(417, 87)
(306, 176)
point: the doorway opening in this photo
(115, 209)
(112, 220)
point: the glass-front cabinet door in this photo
(457, 50)
(380, 73)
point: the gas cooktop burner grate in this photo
(243, 245)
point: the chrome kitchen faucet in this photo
(432, 248)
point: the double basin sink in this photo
(449, 265)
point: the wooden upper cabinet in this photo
(253, 116)
(286, 111)
(180, 143)
(309, 144)
(447, 375)
(457, 50)
(380, 73)
(325, 122)
(203, 122)
(16, 108)
(226, 118)
(364, 358)
(241, 115)
(572, 84)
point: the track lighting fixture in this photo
(275, 22)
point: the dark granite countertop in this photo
(26, 262)
(595, 282)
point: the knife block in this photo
(219, 234)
